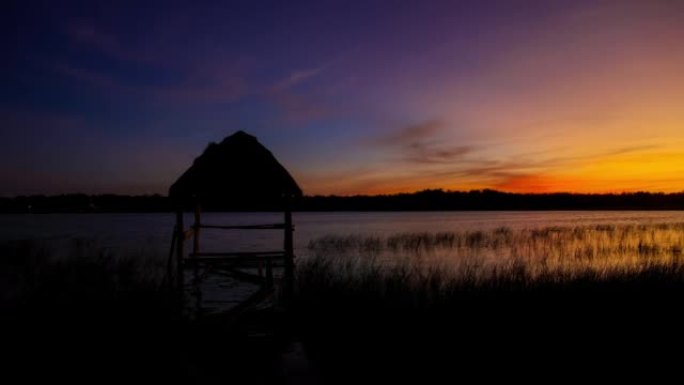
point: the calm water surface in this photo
(152, 232)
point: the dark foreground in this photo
(581, 328)
(97, 320)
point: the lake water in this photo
(152, 232)
(150, 235)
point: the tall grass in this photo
(35, 277)
(562, 251)
(82, 313)
(530, 304)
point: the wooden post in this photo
(196, 242)
(269, 274)
(195, 249)
(170, 268)
(288, 286)
(180, 238)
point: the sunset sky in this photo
(353, 97)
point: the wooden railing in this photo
(275, 226)
(242, 265)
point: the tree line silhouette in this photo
(425, 200)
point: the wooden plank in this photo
(243, 276)
(274, 226)
(196, 227)
(246, 262)
(277, 253)
(252, 300)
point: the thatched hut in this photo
(237, 174)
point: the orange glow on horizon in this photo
(657, 169)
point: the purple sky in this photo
(351, 96)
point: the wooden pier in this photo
(256, 267)
(237, 174)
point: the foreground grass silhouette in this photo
(84, 316)
(543, 304)
(539, 305)
(425, 325)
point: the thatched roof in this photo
(238, 172)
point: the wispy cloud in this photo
(572, 160)
(205, 73)
(422, 144)
(411, 135)
(148, 66)
(295, 78)
(87, 33)
(195, 87)
(529, 182)
(514, 174)
(438, 155)
(97, 78)
(298, 109)
(429, 161)
(298, 106)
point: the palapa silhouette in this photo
(237, 174)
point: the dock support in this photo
(180, 241)
(288, 285)
(203, 262)
(196, 229)
(196, 281)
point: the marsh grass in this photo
(34, 273)
(562, 251)
(526, 302)
(82, 313)
(533, 304)
(78, 313)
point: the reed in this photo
(551, 250)
(527, 303)
(83, 310)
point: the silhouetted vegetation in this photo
(420, 201)
(597, 301)
(85, 315)
(494, 200)
(559, 248)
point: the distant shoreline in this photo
(427, 200)
(348, 211)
